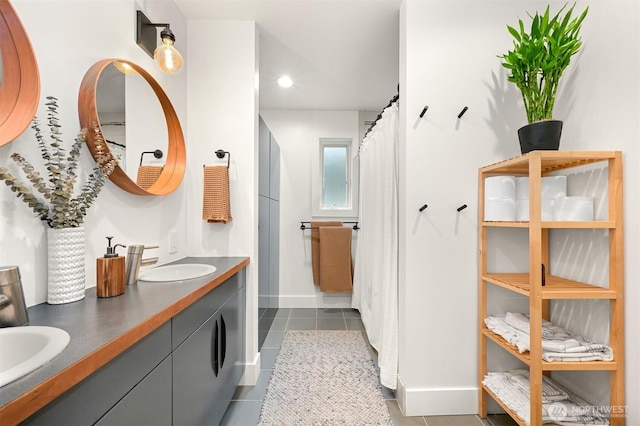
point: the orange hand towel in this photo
(336, 273)
(315, 248)
(216, 206)
(147, 176)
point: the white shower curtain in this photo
(375, 281)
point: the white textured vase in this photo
(65, 265)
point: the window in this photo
(335, 181)
(335, 176)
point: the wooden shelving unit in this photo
(537, 164)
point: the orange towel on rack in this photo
(147, 176)
(216, 206)
(336, 270)
(315, 247)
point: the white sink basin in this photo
(26, 348)
(185, 271)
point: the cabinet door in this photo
(263, 251)
(264, 137)
(274, 169)
(149, 403)
(232, 343)
(274, 253)
(196, 386)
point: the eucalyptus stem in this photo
(57, 204)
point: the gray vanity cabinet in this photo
(208, 365)
(183, 373)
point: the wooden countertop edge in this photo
(33, 400)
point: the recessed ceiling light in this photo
(285, 81)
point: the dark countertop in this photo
(111, 324)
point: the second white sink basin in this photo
(23, 349)
(185, 271)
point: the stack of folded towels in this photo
(558, 344)
(559, 406)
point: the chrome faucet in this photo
(13, 311)
(135, 261)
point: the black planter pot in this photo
(543, 135)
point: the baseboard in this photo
(321, 300)
(251, 372)
(436, 401)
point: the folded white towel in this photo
(549, 331)
(519, 339)
(550, 391)
(512, 388)
(558, 344)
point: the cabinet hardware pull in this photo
(223, 341)
(462, 112)
(423, 207)
(543, 275)
(462, 207)
(214, 350)
(424, 111)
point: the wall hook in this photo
(462, 207)
(423, 207)
(462, 112)
(424, 111)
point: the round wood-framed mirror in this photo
(174, 165)
(19, 76)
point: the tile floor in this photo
(245, 406)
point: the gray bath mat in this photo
(324, 377)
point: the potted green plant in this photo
(538, 59)
(56, 203)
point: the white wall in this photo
(68, 37)
(298, 133)
(448, 61)
(223, 114)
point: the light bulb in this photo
(167, 57)
(285, 81)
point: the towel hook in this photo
(221, 153)
(157, 153)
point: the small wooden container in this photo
(110, 276)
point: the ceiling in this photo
(341, 54)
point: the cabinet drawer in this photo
(90, 399)
(148, 404)
(187, 321)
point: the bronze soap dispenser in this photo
(110, 272)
